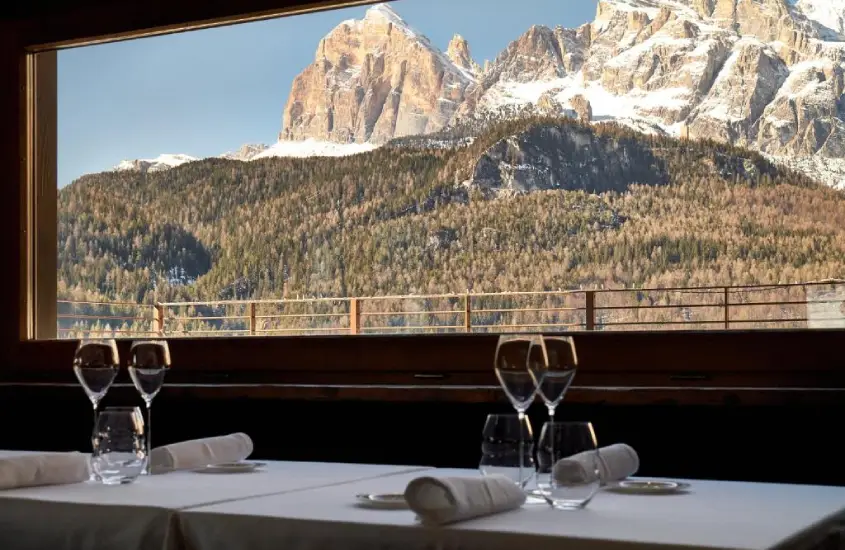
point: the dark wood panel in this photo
(797, 443)
(789, 359)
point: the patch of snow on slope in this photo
(825, 170)
(605, 105)
(313, 148)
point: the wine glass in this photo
(95, 365)
(560, 371)
(515, 377)
(148, 363)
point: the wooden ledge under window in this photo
(684, 367)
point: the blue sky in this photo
(206, 92)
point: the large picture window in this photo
(611, 166)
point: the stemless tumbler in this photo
(119, 453)
(503, 437)
(568, 467)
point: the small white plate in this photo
(230, 468)
(384, 502)
(648, 487)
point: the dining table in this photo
(315, 506)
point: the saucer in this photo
(648, 487)
(390, 501)
(230, 468)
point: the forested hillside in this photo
(412, 219)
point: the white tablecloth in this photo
(142, 515)
(713, 515)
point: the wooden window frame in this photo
(704, 367)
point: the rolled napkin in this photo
(43, 469)
(614, 463)
(198, 453)
(442, 500)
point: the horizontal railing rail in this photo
(793, 305)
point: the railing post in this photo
(727, 308)
(590, 313)
(354, 316)
(158, 319)
(252, 318)
(467, 313)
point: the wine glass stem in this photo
(521, 449)
(92, 476)
(552, 455)
(149, 405)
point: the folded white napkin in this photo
(198, 453)
(43, 469)
(614, 462)
(442, 500)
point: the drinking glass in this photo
(516, 378)
(95, 365)
(500, 447)
(119, 455)
(568, 455)
(148, 363)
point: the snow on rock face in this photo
(830, 13)
(246, 152)
(564, 157)
(161, 162)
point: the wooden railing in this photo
(799, 305)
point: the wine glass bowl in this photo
(562, 364)
(148, 363)
(511, 365)
(95, 364)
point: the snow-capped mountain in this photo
(764, 74)
(161, 162)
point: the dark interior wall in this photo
(791, 444)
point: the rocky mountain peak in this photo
(372, 80)
(458, 52)
(384, 12)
